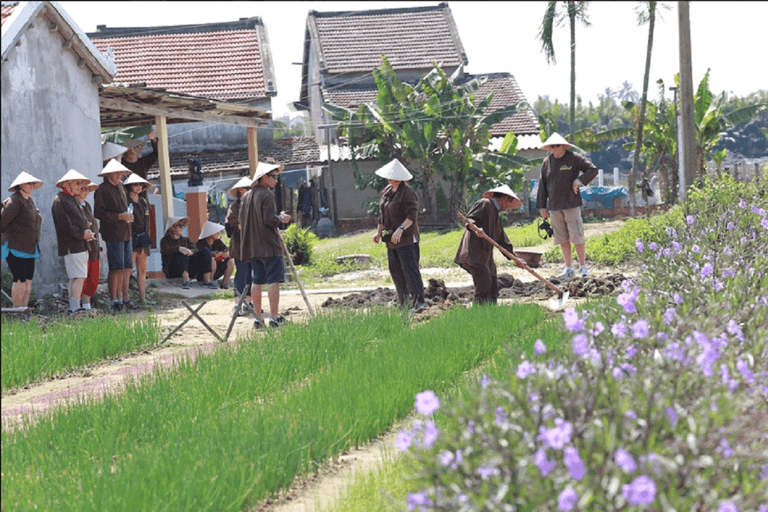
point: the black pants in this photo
(486, 284)
(404, 269)
(200, 263)
(176, 264)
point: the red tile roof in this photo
(503, 86)
(220, 60)
(411, 38)
(6, 10)
(296, 151)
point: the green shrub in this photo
(300, 243)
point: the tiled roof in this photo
(411, 38)
(296, 151)
(227, 61)
(503, 86)
(6, 9)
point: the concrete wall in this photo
(50, 124)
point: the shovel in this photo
(554, 304)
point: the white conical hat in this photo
(210, 228)
(111, 150)
(92, 186)
(112, 167)
(132, 143)
(504, 189)
(244, 182)
(173, 220)
(134, 179)
(23, 178)
(263, 169)
(71, 175)
(394, 170)
(557, 140)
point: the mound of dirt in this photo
(436, 293)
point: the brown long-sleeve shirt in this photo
(475, 251)
(94, 251)
(109, 202)
(557, 177)
(395, 207)
(232, 219)
(258, 225)
(20, 222)
(71, 223)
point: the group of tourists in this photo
(256, 249)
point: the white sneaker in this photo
(584, 271)
(568, 274)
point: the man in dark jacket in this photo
(475, 254)
(260, 242)
(133, 162)
(111, 208)
(562, 173)
(73, 232)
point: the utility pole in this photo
(681, 192)
(686, 97)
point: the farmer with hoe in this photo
(211, 261)
(176, 250)
(92, 281)
(135, 185)
(243, 276)
(562, 173)
(20, 222)
(111, 208)
(475, 255)
(260, 241)
(73, 232)
(398, 213)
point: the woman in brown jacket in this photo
(243, 277)
(398, 213)
(140, 239)
(20, 222)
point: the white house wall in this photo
(50, 124)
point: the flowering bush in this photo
(662, 404)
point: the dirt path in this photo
(111, 376)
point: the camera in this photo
(545, 229)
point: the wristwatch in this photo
(401, 227)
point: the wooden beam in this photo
(253, 151)
(138, 108)
(164, 164)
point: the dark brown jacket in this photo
(557, 177)
(232, 219)
(109, 201)
(71, 222)
(141, 165)
(94, 251)
(478, 252)
(395, 207)
(169, 245)
(258, 225)
(20, 222)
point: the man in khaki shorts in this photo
(562, 173)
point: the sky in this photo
(726, 37)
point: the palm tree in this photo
(648, 14)
(574, 11)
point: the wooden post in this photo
(253, 150)
(164, 163)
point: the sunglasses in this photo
(272, 176)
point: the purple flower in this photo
(502, 418)
(470, 427)
(544, 464)
(677, 299)
(539, 347)
(653, 246)
(758, 211)
(525, 369)
(574, 463)
(717, 285)
(631, 351)
(446, 457)
(630, 414)
(743, 368)
(640, 329)
(580, 344)
(735, 330)
(672, 415)
(689, 219)
(764, 223)
(567, 499)
(599, 327)
(420, 499)
(742, 204)
(484, 381)
(676, 246)
(486, 473)
(627, 301)
(707, 270)
(404, 440)
(639, 245)
(427, 402)
(625, 461)
(430, 433)
(707, 358)
(558, 436)
(572, 321)
(695, 248)
(730, 226)
(619, 329)
(641, 491)
(724, 448)
(671, 232)
(625, 284)
(727, 506)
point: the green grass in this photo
(31, 352)
(236, 426)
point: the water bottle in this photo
(130, 209)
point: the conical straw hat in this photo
(134, 179)
(263, 169)
(111, 150)
(112, 167)
(173, 220)
(394, 170)
(92, 186)
(557, 140)
(244, 182)
(23, 178)
(504, 189)
(210, 228)
(71, 175)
